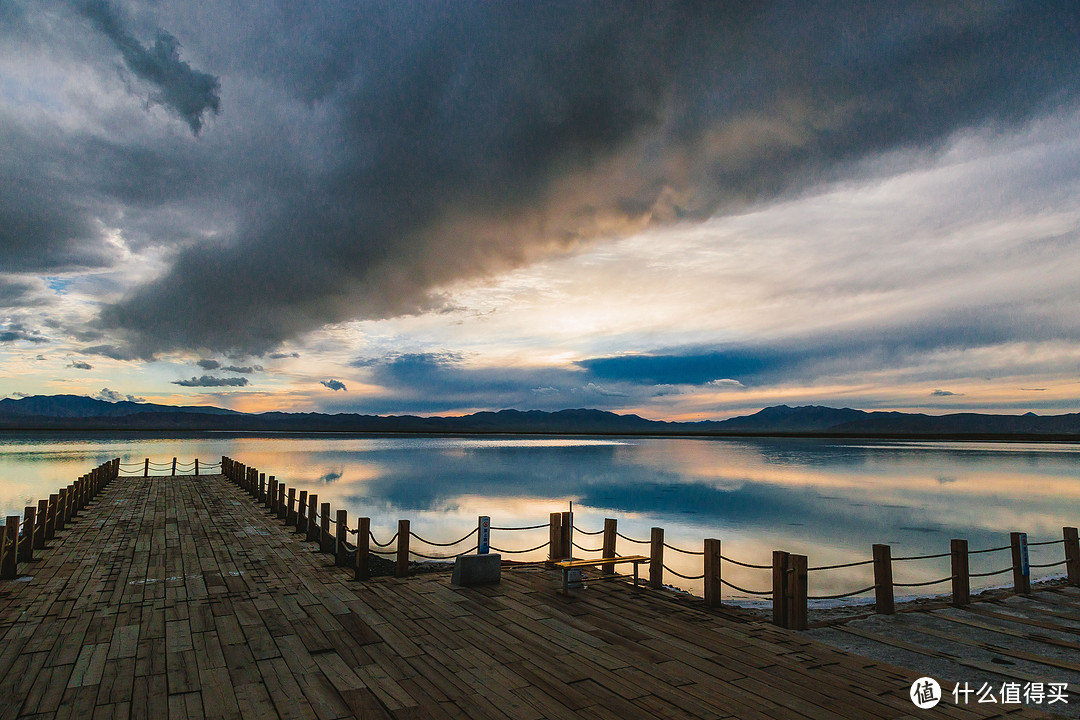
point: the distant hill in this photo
(72, 412)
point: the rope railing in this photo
(444, 557)
(745, 565)
(991, 573)
(588, 550)
(684, 577)
(527, 527)
(519, 552)
(1047, 542)
(1048, 565)
(449, 544)
(586, 532)
(857, 563)
(735, 587)
(921, 557)
(924, 584)
(633, 540)
(388, 543)
(686, 552)
(841, 596)
(990, 550)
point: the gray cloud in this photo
(944, 393)
(459, 142)
(280, 355)
(333, 384)
(188, 93)
(210, 381)
(113, 396)
(80, 365)
(208, 364)
(243, 369)
(18, 332)
(114, 352)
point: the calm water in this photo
(830, 500)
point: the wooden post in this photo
(39, 531)
(1072, 554)
(50, 521)
(363, 549)
(271, 494)
(262, 490)
(340, 550)
(290, 509)
(883, 582)
(301, 513)
(9, 559)
(401, 568)
(1020, 566)
(610, 526)
(146, 468)
(567, 540)
(779, 588)
(196, 467)
(555, 537)
(656, 559)
(312, 528)
(26, 542)
(796, 592)
(173, 473)
(282, 508)
(712, 572)
(61, 512)
(961, 572)
(326, 540)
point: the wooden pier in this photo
(181, 597)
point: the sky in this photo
(681, 210)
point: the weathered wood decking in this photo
(179, 597)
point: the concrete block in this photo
(470, 570)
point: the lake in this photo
(827, 499)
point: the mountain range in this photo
(75, 412)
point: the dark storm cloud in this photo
(18, 332)
(80, 365)
(207, 364)
(113, 352)
(333, 384)
(18, 292)
(243, 369)
(420, 144)
(188, 93)
(210, 381)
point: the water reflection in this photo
(829, 500)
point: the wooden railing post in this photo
(9, 563)
(340, 550)
(173, 473)
(961, 572)
(779, 588)
(712, 572)
(196, 467)
(50, 521)
(1020, 566)
(39, 530)
(146, 468)
(26, 542)
(262, 490)
(401, 567)
(312, 528)
(326, 540)
(363, 549)
(290, 510)
(567, 540)
(301, 512)
(555, 537)
(656, 559)
(883, 582)
(610, 530)
(1072, 554)
(797, 600)
(61, 512)
(271, 495)
(282, 508)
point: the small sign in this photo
(1025, 568)
(484, 536)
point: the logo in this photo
(925, 693)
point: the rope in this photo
(744, 590)
(383, 552)
(527, 527)
(747, 565)
(582, 549)
(586, 532)
(633, 540)
(511, 552)
(840, 596)
(1046, 542)
(379, 544)
(688, 552)
(445, 557)
(996, 549)
(922, 584)
(922, 557)
(684, 577)
(841, 565)
(988, 574)
(1059, 562)
(449, 544)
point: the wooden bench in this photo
(567, 565)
